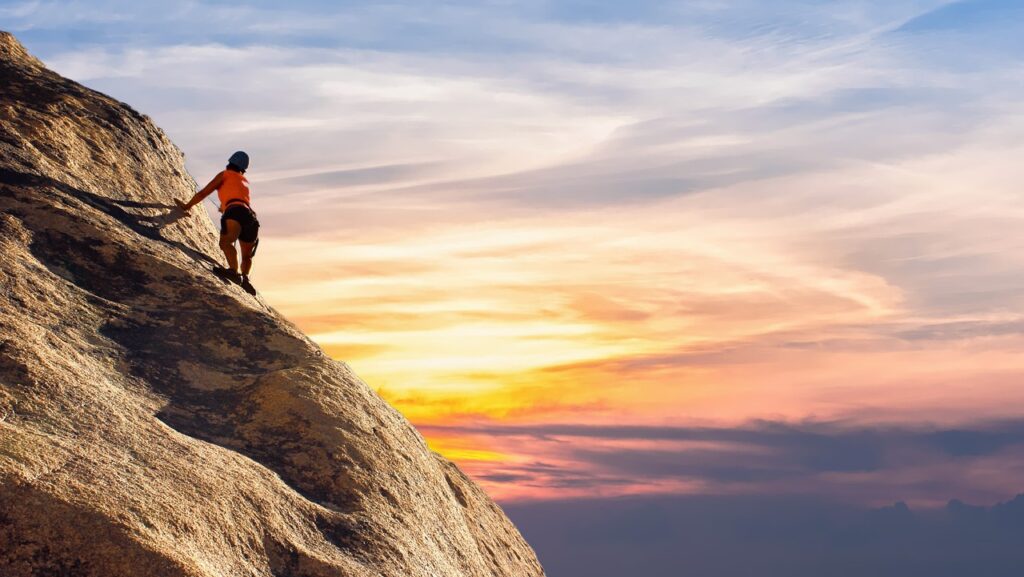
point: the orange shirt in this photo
(233, 187)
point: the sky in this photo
(689, 253)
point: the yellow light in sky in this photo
(692, 309)
(450, 321)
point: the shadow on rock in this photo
(147, 226)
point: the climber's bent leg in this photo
(247, 249)
(230, 229)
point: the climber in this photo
(237, 222)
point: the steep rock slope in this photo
(156, 421)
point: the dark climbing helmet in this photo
(240, 159)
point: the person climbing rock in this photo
(237, 222)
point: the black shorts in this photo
(245, 217)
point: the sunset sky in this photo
(607, 248)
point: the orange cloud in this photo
(697, 308)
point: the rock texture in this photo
(155, 421)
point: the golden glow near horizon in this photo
(506, 307)
(679, 310)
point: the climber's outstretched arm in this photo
(205, 192)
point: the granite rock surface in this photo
(157, 421)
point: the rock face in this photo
(155, 421)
